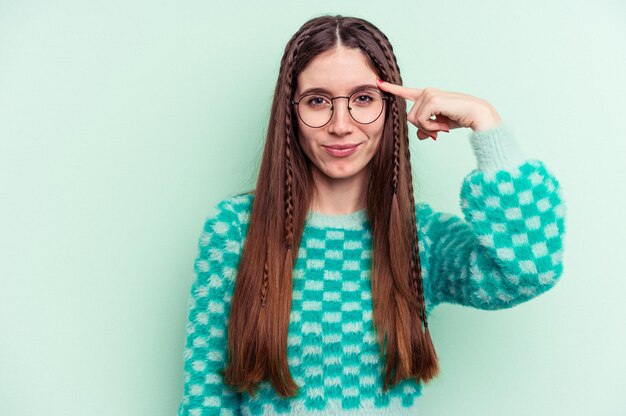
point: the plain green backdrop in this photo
(123, 122)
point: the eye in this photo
(317, 101)
(364, 98)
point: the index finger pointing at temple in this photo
(401, 91)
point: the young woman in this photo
(313, 291)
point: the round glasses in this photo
(365, 106)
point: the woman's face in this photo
(338, 72)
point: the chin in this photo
(340, 174)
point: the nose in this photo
(341, 121)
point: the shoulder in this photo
(225, 221)
(233, 209)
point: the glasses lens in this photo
(315, 110)
(366, 106)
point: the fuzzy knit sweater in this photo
(507, 250)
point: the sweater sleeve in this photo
(508, 249)
(205, 392)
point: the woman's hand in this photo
(451, 110)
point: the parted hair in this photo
(261, 304)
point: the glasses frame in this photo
(383, 95)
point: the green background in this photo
(123, 122)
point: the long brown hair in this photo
(261, 303)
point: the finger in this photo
(438, 125)
(430, 125)
(425, 134)
(399, 90)
(451, 124)
(412, 114)
(421, 134)
(426, 117)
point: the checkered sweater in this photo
(507, 251)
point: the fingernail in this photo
(380, 81)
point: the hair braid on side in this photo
(415, 261)
(428, 363)
(288, 90)
(278, 371)
(394, 229)
(264, 285)
(288, 60)
(396, 148)
(416, 269)
(394, 105)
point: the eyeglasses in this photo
(365, 106)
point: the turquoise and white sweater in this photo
(507, 251)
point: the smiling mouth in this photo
(341, 150)
(342, 146)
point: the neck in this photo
(339, 196)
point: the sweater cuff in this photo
(496, 149)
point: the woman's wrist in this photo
(486, 119)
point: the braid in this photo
(288, 184)
(265, 274)
(416, 276)
(287, 62)
(393, 77)
(396, 146)
(416, 269)
(288, 90)
(288, 87)
(427, 367)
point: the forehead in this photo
(337, 71)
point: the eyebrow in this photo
(325, 91)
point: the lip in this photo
(341, 150)
(343, 146)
